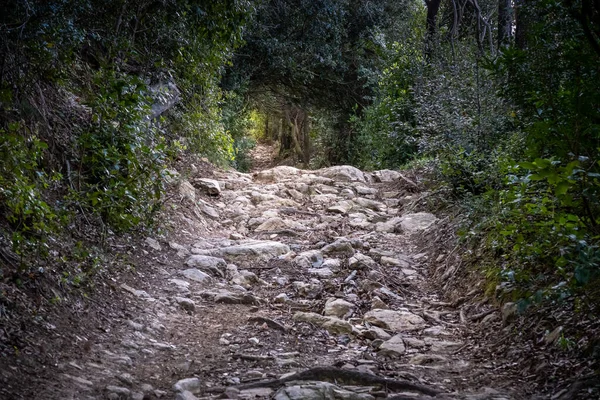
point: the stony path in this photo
(302, 269)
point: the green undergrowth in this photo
(97, 102)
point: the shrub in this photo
(23, 182)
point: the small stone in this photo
(187, 384)
(185, 395)
(181, 250)
(281, 298)
(163, 346)
(254, 340)
(294, 194)
(370, 204)
(153, 243)
(361, 261)
(180, 283)
(255, 248)
(332, 263)
(338, 308)
(146, 387)
(196, 275)
(489, 318)
(394, 262)
(321, 272)
(377, 303)
(341, 246)
(272, 224)
(393, 347)
(376, 332)
(367, 369)
(209, 211)
(211, 186)
(509, 311)
(309, 259)
(342, 207)
(234, 393)
(309, 290)
(185, 303)
(436, 331)
(187, 191)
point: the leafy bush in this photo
(385, 133)
(77, 77)
(545, 228)
(122, 154)
(22, 186)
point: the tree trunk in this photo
(522, 23)
(267, 134)
(305, 140)
(504, 23)
(433, 7)
(290, 139)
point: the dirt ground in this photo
(408, 322)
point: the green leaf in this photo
(542, 163)
(528, 165)
(561, 188)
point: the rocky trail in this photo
(286, 284)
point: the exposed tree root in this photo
(346, 377)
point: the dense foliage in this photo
(96, 97)
(512, 127)
(308, 61)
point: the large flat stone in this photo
(276, 174)
(334, 325)
(386, 175)
(344, 173)
(417, 222)
(196, 275)
(260, 249)
(395, 320)
(209, 264)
